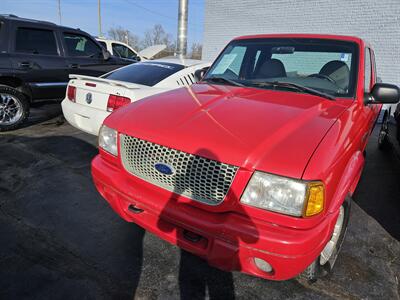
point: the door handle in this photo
(73, 66)
(25, 64)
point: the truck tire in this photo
(383, 138)
(324, 263)
(397, 119)
(14, 108)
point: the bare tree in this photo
(196, 50)
(156, 36)
(124, 35)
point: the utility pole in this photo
(99, 12)
(182, 28)
(59, 11)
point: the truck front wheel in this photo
(323, 265)
(14, 108)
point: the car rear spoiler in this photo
(107, 81)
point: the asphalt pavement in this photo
(60, 240)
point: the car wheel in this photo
(323, 265)
(383, 138)
(14, 108)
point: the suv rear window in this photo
(145, 73)
(36, 41)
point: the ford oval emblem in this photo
(89, 98)
(164, 168)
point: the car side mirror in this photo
(199, 74)
(106, 54)
(383, 93)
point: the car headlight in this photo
(108, 140)
(284, 195)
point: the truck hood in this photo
(271, 131)
(150, 52)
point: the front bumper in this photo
(229, 240)
(87, 119)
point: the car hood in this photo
(271, 131)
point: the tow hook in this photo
(191, 236)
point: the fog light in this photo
(262, 265)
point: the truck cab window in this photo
(123, 51)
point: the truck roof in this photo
(303, 35)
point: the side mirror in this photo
(384, 93)
(199, 74)
(106, 54)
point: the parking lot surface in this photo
(60, 240)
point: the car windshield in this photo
(326, 66)
(145, 73)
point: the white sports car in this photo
(89, 100)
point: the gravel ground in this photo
(59, 239)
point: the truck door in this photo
(370, 111)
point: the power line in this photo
(157, 13)
(150, 10)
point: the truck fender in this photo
(349, 180)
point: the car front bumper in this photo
(87, 119)
(228, 241)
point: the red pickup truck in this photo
(254, 167)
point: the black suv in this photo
(36, 58)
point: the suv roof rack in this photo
(8, 15)
(14, 17)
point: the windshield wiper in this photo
(295, 86)
(222, 80)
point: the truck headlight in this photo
(284, 195)
(108, 140)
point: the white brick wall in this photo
(376, 21)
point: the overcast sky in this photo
(134, 15)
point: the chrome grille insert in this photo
(198, 178)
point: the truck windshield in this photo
(328, 66)
(145, 73)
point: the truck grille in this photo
(195, 177)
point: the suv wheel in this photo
(323, 265)
(14, 108)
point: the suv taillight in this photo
(115, 102)
(71, 93)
